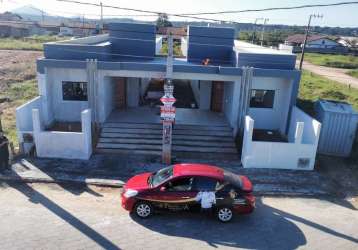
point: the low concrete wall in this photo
(24, 122)
(65, 145)
(299, 153)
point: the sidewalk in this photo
(115, 170)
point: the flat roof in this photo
(246, 47)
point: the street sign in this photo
(167, 113)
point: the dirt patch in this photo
(17, 85)
(17, 66)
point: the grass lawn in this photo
(335, 61)
(313, 87)
(27, 43)
(18, 94)
(353, 73)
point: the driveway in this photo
(334, 74)
(48, 216)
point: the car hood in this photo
(138, 182)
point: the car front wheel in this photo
(224, 214)
(143, 209)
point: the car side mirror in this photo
(162, 189)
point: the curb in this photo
(119, 184)
(76, 180)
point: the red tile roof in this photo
(299, 38)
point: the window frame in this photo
(178, 179)
(272, 106)
(63, 83)
(194, 184)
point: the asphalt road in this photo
(43, 216)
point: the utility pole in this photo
(254, 33)
(101, 18)
(306, 36)
(43, 17)
(262, 31)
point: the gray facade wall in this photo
(65, 110)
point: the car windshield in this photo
(161, 176)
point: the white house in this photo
(242, 94)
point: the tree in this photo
(163, 21)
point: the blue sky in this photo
(343, 16)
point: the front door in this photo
(217, 96)
(120, 93)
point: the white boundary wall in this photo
(298, 153)
(66, 145)
(24, 122)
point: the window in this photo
(182, 184)
(161, 176)
(74, 91)
(262, 98)
(204, 183)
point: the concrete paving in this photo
(38, 216)
(115, 170)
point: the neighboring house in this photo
(15, 30)
(8, 16)
(65, 31)
(115, 82)
(348, 41)
(315, 43)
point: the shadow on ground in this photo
(266, 228)
(38, 198)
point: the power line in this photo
(144, 11)
(271, 9)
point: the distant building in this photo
(315, 43)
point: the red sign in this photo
(168, 100)
(167, 109)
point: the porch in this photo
(196, 133)
(183, 116)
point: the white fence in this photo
(66, 145)
(298, 153)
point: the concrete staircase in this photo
(188, 140)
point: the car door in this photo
(202, 183)
(176, 194)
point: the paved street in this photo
(48, 216)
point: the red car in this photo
(176, 187)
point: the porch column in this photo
(92, 85)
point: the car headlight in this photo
(130, 193)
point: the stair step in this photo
(159, 131)
(127, 151)
(159, 142)
(129, 146)
(131, 140)
(204, 149)
(125, 135)
(160, 126)
(175, 137)
(204, 143)
(132, 125)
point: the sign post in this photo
(167, 112)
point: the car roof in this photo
(198, 170)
